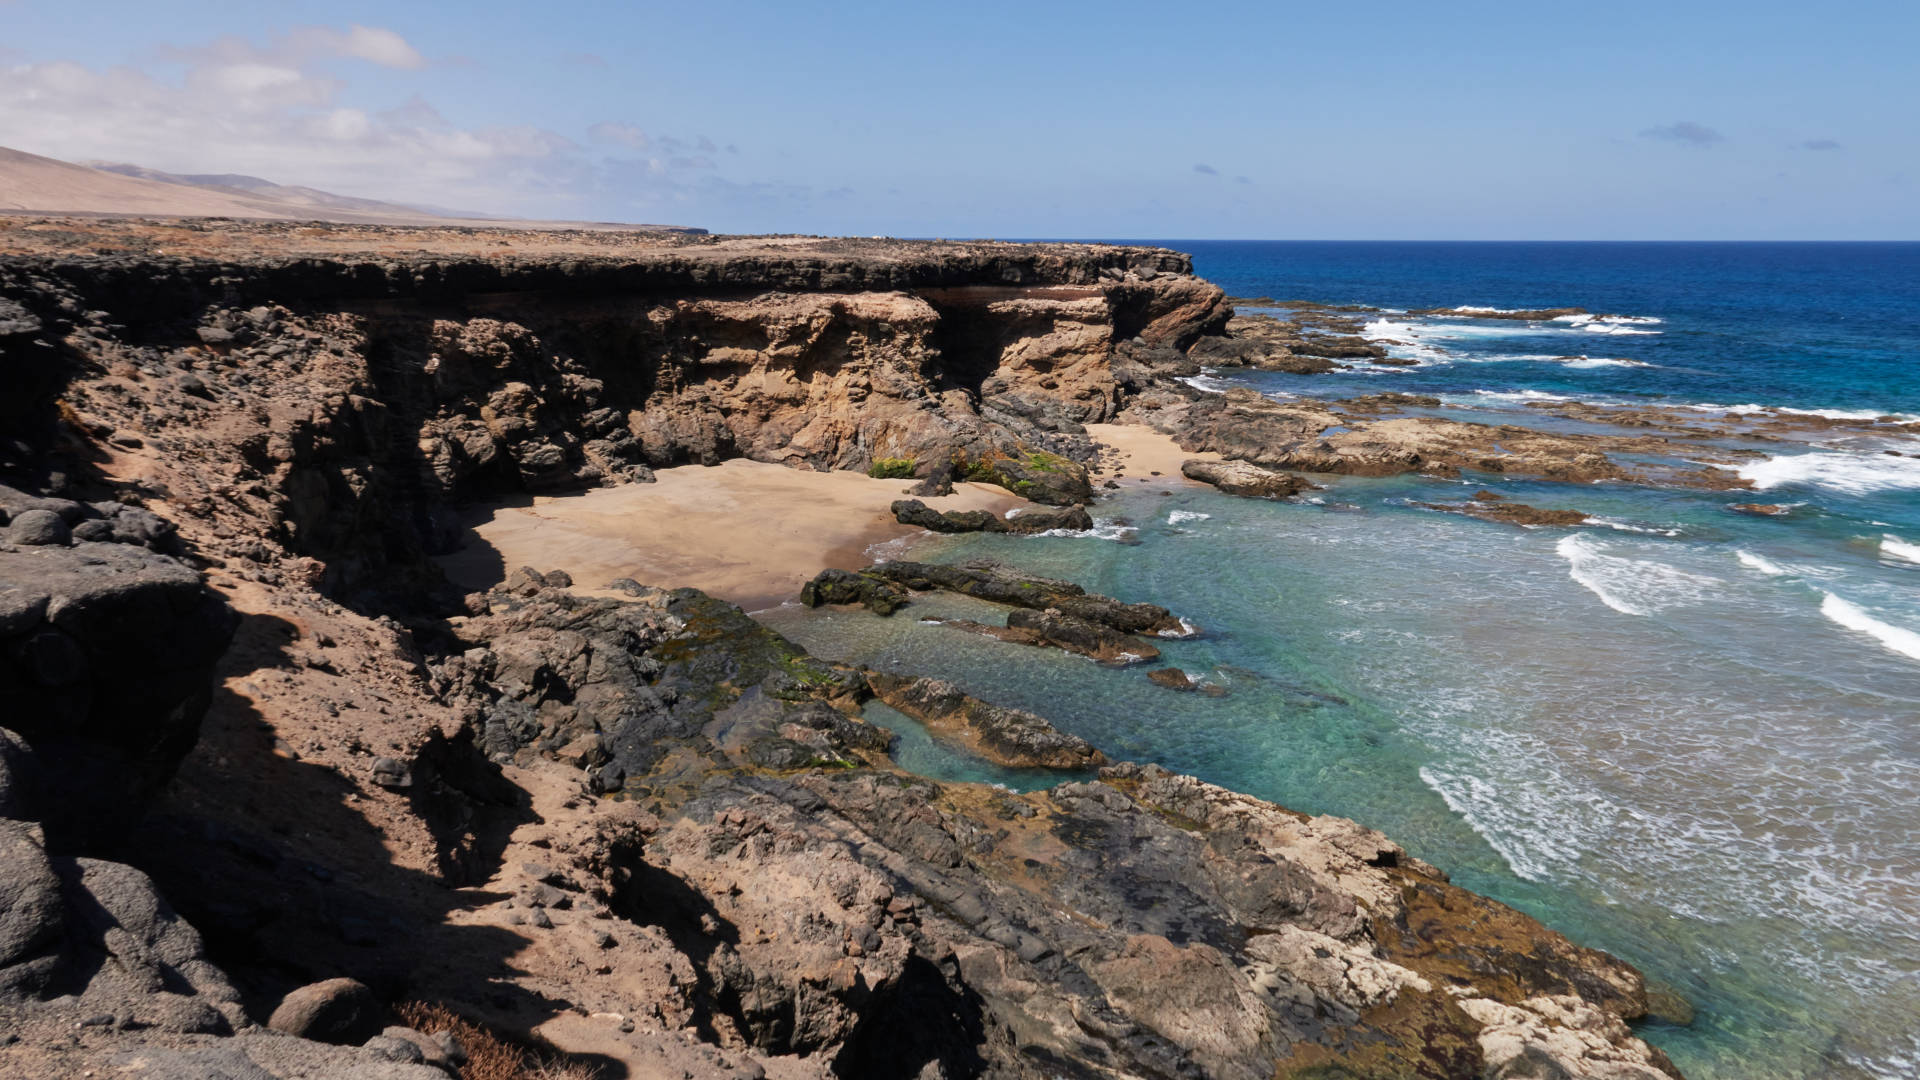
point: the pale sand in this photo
(745, 531)
(1142, 451)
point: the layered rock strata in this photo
(639, 826)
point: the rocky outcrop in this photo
(1051, 629)
(1264, 343)
(1141, 923)
(107, 652)
(639, 823)
(1510, 513)
(1315, 437)
(920, 515)
(349, 394)
(1010, 737)
(1023, 520)
(986, 580)
(1241, 478)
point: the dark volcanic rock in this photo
(916, 513)
(876, 594)
(38, 528)
(1003, 585)
(1083, 636)
(106, 665)
(1005, 736)
(1038, 519)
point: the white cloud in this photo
(280, 111)
(383, 47)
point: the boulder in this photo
(877, 595)
(990, 581)
(1242, 478)
(916, 513)
(38, 528)
(937, 482)
(106, 665)
(1173, 679)
(32, 916)
(339, 1011)
(1082, 636)
(1036, 519)
(117, 911)
(1010, 737)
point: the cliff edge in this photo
(314, 803)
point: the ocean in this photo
(1685, 735)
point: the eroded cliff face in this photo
(343, 398)
(645, 828)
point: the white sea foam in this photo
(1179, 516)
(1630, 586)
(1103, 529)
(1751, 408)
(1520, 395)
(1892, 546)
(1630, 527)
(1582, 361)
(1207, 383)
(1488, 814)
(1607, 320)
(1854, 473)
(1895, 638)
(1759, 562)
(1186, 630)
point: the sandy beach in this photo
(1141, 452)
(744, 531)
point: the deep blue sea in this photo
(1685, 735)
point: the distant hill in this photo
(289, 195)
(30, 183)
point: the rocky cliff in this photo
(637, 834)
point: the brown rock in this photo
(1173, 679)
(339, 1011)
(1510, 513)
(1241, 478)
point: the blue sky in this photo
(1273, 120)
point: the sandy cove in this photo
(746, 531)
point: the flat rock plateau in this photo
(277, 800)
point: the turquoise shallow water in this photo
(1688, 736)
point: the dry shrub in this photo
(491, 1056)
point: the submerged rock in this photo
(1510, 513)
(1173, 679)
(1009, 737)
(991, 581)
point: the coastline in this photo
(698, 748)
(746, 532)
